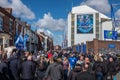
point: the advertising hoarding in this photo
(108, 34)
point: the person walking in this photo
(98, 68)
(65, 66)
(73, 73)
(14, 66)
(85, 74)
(28, 69)
(111, 69)
(55, 70)
(72, 61)
(4, 73)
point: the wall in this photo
(96, 45)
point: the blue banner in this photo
(25, 41)
(77, 48)
(110, 34)
(19, 43)
(84, 48)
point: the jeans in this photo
(99, 75)
(65, 74)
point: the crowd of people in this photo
(58, 65)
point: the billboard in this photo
(85, 23)
(108, 34)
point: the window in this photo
(97, 29)
(72, 42)
(72, 30)
(97, 35)
(72, 36)
(17, 28)
(1, 22)
(72, 23)
(10, 26)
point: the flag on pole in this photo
(19, 43)
(25, 41)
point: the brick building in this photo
(45, 41)
(103, 46)
(7, 27)
(11, 27)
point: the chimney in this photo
(9, 10)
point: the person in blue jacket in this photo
(72, 61)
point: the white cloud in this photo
(50, 23)
(118, 14)
(58, 39)
(19, 9)
(47, 32)
(100, 5)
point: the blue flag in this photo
(19, 43)
(25, 41)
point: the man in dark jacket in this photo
(55, 70)
(98, 67)
(28, 69)
(75, 72)
(14, 67)
(111, 68)
(85, 75)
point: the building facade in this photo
(10, 29)
(84, 24)
(103, 46)
(7, 27)
(45, 41)
(32, 43)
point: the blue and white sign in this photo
(111, 45)
(85, 23)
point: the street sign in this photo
(111, 45)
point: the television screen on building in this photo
(108, 34)
(85, 23)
